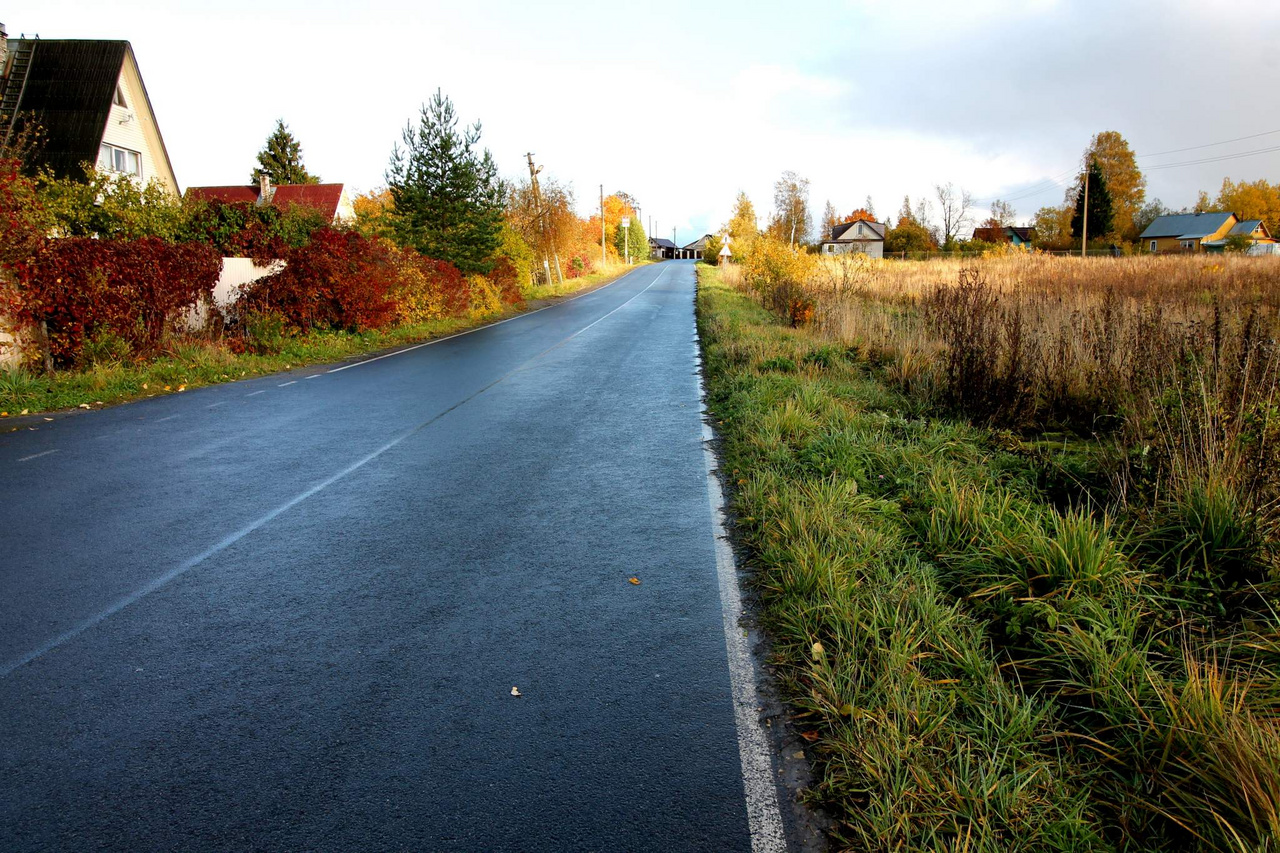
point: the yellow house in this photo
(1186, 232)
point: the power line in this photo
(1218, 159)
(1056, 182)
(1210, 144)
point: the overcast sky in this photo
(684, 104)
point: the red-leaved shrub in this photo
(80, 288)
(338, 280)
(507, 280)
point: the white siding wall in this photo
(10, 355)
(138, 133)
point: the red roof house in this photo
(330, 199)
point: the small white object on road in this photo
(515, 691)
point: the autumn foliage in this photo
(338, 280)
(81, 288)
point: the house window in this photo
(1188, 244)
(118, 100)
(1153, 245)
(113, 159)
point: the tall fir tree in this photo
(281, 159)
(447, 198)
(1101, 209)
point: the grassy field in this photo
(1000, 633)
(195, 361)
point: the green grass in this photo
(193, 363)
(982, 666)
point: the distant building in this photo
(695, 249)
(660, 248)
(863, 235)
(331, 200)
(1186, 232)
(90, 101)
(1012, 234)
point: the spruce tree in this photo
(281, 159)
(1101, 210)
(447, 198)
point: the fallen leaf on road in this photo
(515, 691)
(48, 419)
(799, 754)
(635, 581)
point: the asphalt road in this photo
(288, 613)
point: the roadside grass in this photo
(196, 361)
(976, 665)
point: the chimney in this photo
(265, 192)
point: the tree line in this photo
(1118, 209)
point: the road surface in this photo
(289, 613)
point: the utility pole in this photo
(548, 238)
(604, 259)
(1084, 217)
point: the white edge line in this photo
(488, 325)
(37, 455)
(764, 818)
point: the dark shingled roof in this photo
(663, 242)
(69, 88)
(838, 232)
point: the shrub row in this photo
(77, 294)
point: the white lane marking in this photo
(315, 376)
(764, 819)
(487, 325)
(287, 384)
(232, 539)
(256, 393)
(36, 456)
(162, 420)
(215, 405)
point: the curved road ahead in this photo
(288, 613)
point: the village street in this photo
(289, 613)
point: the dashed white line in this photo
(8, 667)
(287, 384)
(215, 405)
(764, 818)
(256, 393)
(315, 376)
(162, 420)
(36, 456)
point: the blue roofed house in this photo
(1186, 232)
